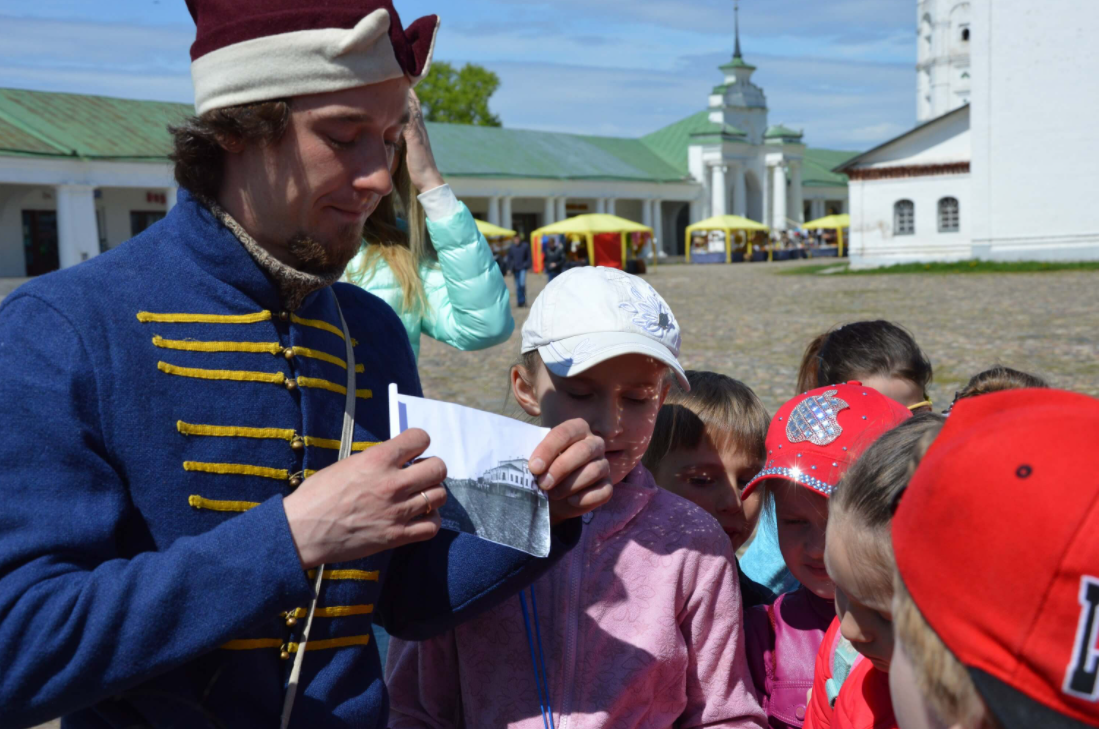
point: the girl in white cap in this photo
(640, 625)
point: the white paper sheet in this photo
(490, 490)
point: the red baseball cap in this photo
(814, 437)
(997, 540)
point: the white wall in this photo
(1035, 102)
(117, 203)
(871, 203)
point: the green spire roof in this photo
(779, 131)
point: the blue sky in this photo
(842, 70)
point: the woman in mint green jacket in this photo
(442, 281)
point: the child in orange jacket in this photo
(851, 679)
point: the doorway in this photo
(40, 241)
(524, 224)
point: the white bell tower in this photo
(942, 56)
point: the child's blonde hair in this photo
(402, 251)
(726, 408)
(940, 677)
(869, 489)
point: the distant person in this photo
(554, 257)
(432, 265)
(997, 379)
(708, 443)
(519, 262)
(641, 625)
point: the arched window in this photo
(904, 217)
(948, 215)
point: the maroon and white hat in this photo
(247, 51)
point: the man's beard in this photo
(324, 258)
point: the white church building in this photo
(1001, 166)
(81, 174)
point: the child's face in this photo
(802, 521)
(713, 478)
(898, 389)
(864, 590)
(619, 399)
(909, 706)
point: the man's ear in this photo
(522, 387)
(667, 387)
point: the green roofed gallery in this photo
(81, 174)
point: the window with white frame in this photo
(904, 217)
(948, 215)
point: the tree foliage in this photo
(459, 96)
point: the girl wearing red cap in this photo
(812, 441)
(851, 682)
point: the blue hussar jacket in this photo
(156, 407)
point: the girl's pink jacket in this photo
(641, 627)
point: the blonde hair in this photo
(727, 407)
(868, 491)
(403, 252)
(940, 677)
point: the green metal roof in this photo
(737, 62)
(778, 131)
(39, 123)
(817, 166)
(470, 151)
(671, 142)
(46, 124)
(35, 123)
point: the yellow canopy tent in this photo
(588, 226)
(831, 222)
(489, 230)
(726, 223)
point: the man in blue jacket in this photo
(519, 262)
(172, 413)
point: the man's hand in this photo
(422, 169)
(570, 465)
(368, 503)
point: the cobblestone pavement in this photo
(751, 323)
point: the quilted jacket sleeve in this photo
(468, 300)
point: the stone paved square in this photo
(752, 323)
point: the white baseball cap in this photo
(588, 315)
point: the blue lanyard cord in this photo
(540, 679)
(541, 653)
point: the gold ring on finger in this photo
(428, 503)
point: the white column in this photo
(816, 208)
(549, 211)
(740, 198)
(494, 210)
(780, 197)
(647, 213)
(611, 206)
(717, 204)
(562, 211)
(797, 207)
(505, 212)
(658, 224)
(77, 233)
(765, 183)
(171, 194)
(601, 205)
